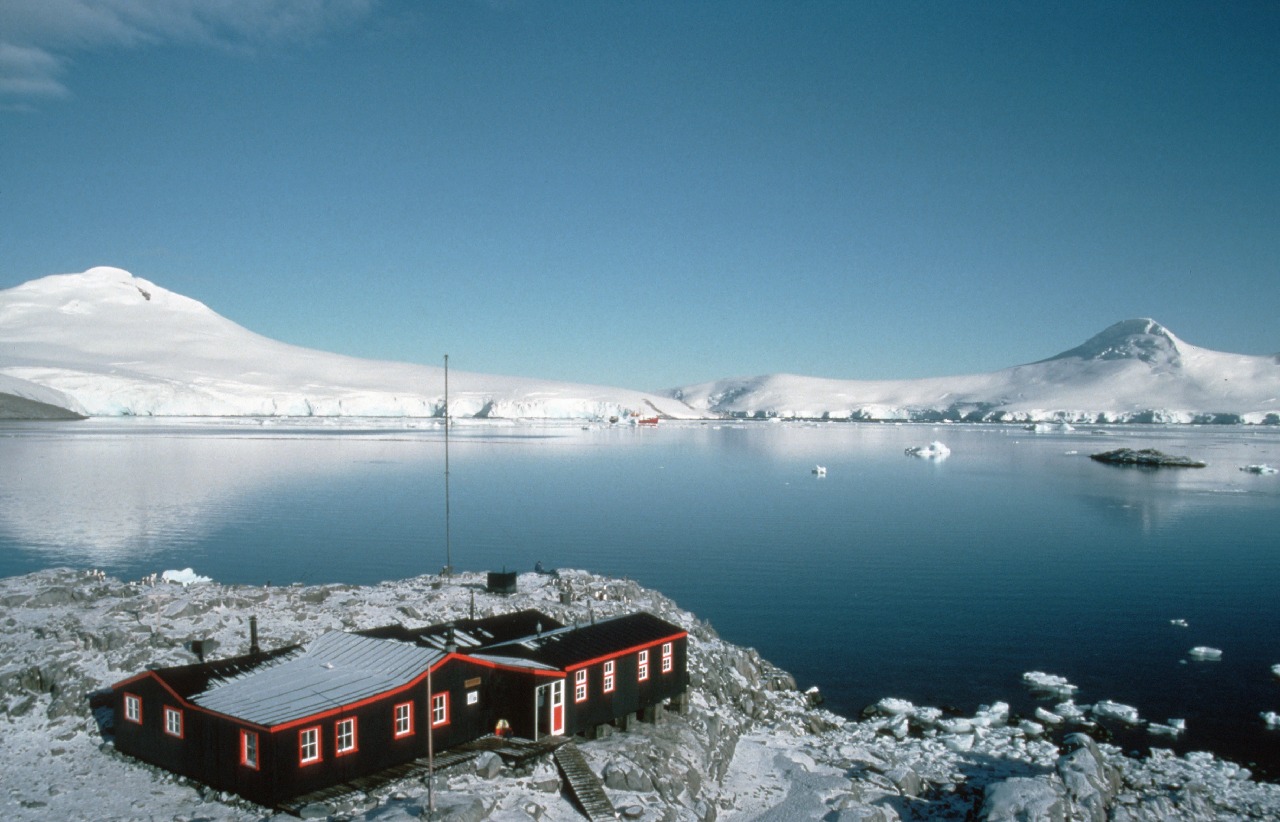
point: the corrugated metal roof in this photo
(336, 669)
(514, 662)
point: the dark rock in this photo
(1146, 458)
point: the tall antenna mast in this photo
(448, 549)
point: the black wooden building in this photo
(271, 726)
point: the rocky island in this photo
(749, 746)
(1146, 458)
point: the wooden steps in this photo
(584, 786)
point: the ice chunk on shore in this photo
(1204, 653)
(1259, 469)
(1048, 683)
(934, 450)
(1175, 727)
(1048, 717)
(184, 577)
(1272, 719)
(1106, 709)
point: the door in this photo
(557, 708)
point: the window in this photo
(439, 710)
(309, 746)
(608, 676)
(173, 722)
(133, 708)
(473, 697)
(580, 686)
(344, 737)
(249, 749)
(667, 657)
(642, 669)
(404, 719)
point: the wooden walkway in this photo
(512, 750)
(583, 785)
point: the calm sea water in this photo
(939, 582)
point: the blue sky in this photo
(656, 194)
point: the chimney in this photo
(253, 636)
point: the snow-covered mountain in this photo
(106, 343)
(1134, 371)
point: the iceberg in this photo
(1051, 684)
(1106, 709)
(1203, 653)
(934, 450)
(185, 577)
(1259, 469)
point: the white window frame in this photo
(344, 737)
(403, 720)
(609, 679)
(309, 745)
(249, 749)
(642, 666)
(668, 654)
(580, 685)
(173, 721)
(439, 709)
(133, 708)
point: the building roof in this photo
(472, 634)
(575, 645)
(335, 670)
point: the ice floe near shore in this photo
(1203, 653)
(750, 746)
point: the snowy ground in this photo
(749, 747)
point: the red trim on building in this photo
(633, 649)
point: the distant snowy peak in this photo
(107, 343)
(1139, 339)
(1134, 371)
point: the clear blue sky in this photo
(650, 194)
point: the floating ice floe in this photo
(1106, 709)
(1048, 683)
(1070, 710)
(934, 450)
(1174, 727)
(1259, 469)
(1180, 623)
(1049, 717)
(1275, 669)
(184, 577)
(1272, 719)
(1203, 653)
(820, 470)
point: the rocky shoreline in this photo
(750, 746)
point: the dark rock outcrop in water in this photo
(1145, 458)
